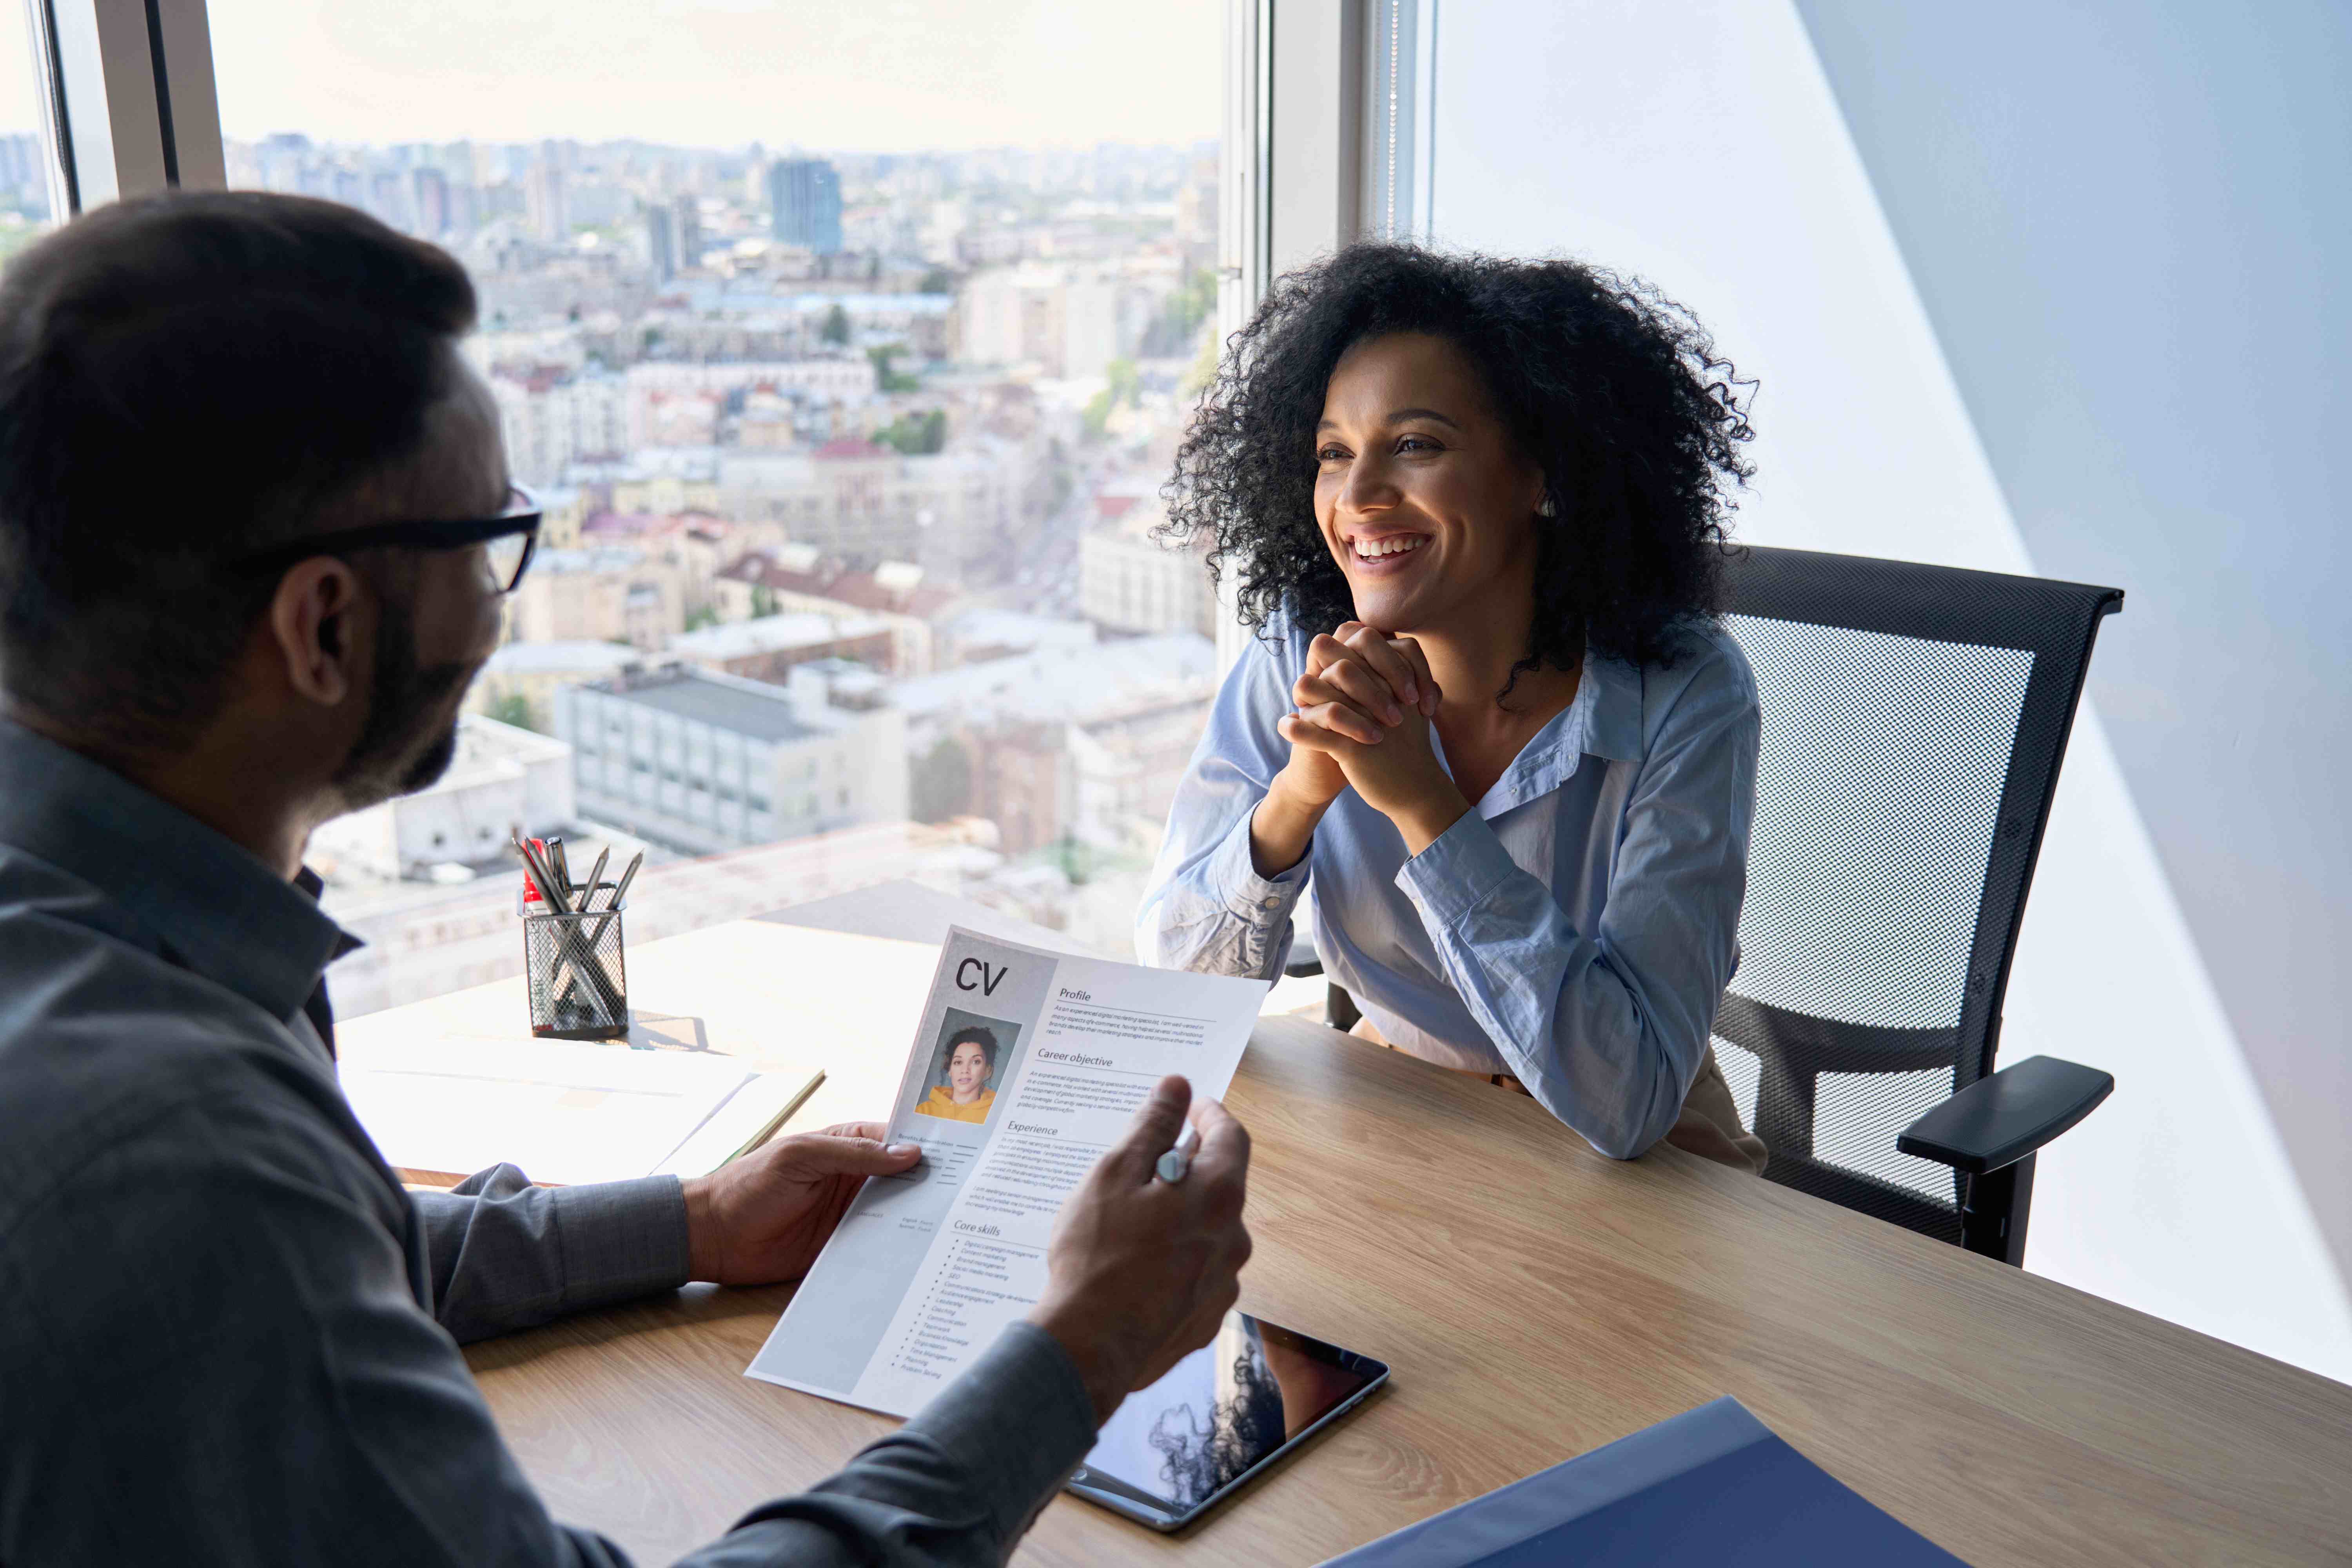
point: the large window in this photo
(849, 346)
(23, 164)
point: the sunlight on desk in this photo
(756, 996)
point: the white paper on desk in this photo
(928, 1268)
(564, 1112)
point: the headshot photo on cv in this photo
(973, 1055)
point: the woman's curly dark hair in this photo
(1614, 391)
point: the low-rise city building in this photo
(501, 779)
(1130, 580)
(552, 417)
(801, 577)
(1061, 322)
(656, 384)
(665, 480)
(986, 633)
(604, 594)
(1080, 743)
(522, 679)
(707, 762)
(866, 503)
(769, 646)
(694, 544)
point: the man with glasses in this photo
(255, 527)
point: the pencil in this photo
(776, 1122)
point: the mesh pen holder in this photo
(579, 983)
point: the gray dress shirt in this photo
(228, 1335)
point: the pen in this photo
(1173, 1165)
(596, 871)
(588, 939)
(619, 892)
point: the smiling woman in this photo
(1476, 512)
(1608, 397)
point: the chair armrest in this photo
(2001, 1120)
(1301, 965)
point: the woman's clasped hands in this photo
(1362, 721)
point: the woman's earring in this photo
(1546, 507)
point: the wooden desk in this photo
(1537, 1301)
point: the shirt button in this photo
(1273, 903)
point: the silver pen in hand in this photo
(1173, 1164)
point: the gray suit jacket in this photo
(228, 1335)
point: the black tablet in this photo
(1226, 1412)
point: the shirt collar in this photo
(1604, 720)
(218, 908)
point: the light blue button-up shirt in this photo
(1576, 929)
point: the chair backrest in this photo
(1913, 721)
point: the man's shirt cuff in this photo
(1018, 1421)
(620, 1240)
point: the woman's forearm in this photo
(1282, 828)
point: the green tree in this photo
(1125, 382)
(886, 371)
(705, 616)
(836, 330)
(939, 786)
(763, 600)
(939, 280)
(915, 435)
(1173, 330)
(514, 709)
(1097, 414)
(1076, 858)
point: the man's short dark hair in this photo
(184, 378)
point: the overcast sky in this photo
(880, 74)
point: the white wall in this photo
(2131, 239)
(1695, 142)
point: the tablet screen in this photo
(1221, 1413)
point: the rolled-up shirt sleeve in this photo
(1606, 1027)
(1208, 909)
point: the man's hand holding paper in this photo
(1042, 1207)
(763, 1219)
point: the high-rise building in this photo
(689, 231)
(661, 241)
(543, 202)
(804, 195)
(23, 173)
(429, 201)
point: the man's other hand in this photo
(1141, 1271)
(763, 1219)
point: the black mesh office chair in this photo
(1915, 718)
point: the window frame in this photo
(129, 106)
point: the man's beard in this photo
(404, 745)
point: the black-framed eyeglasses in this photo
(510, 540)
